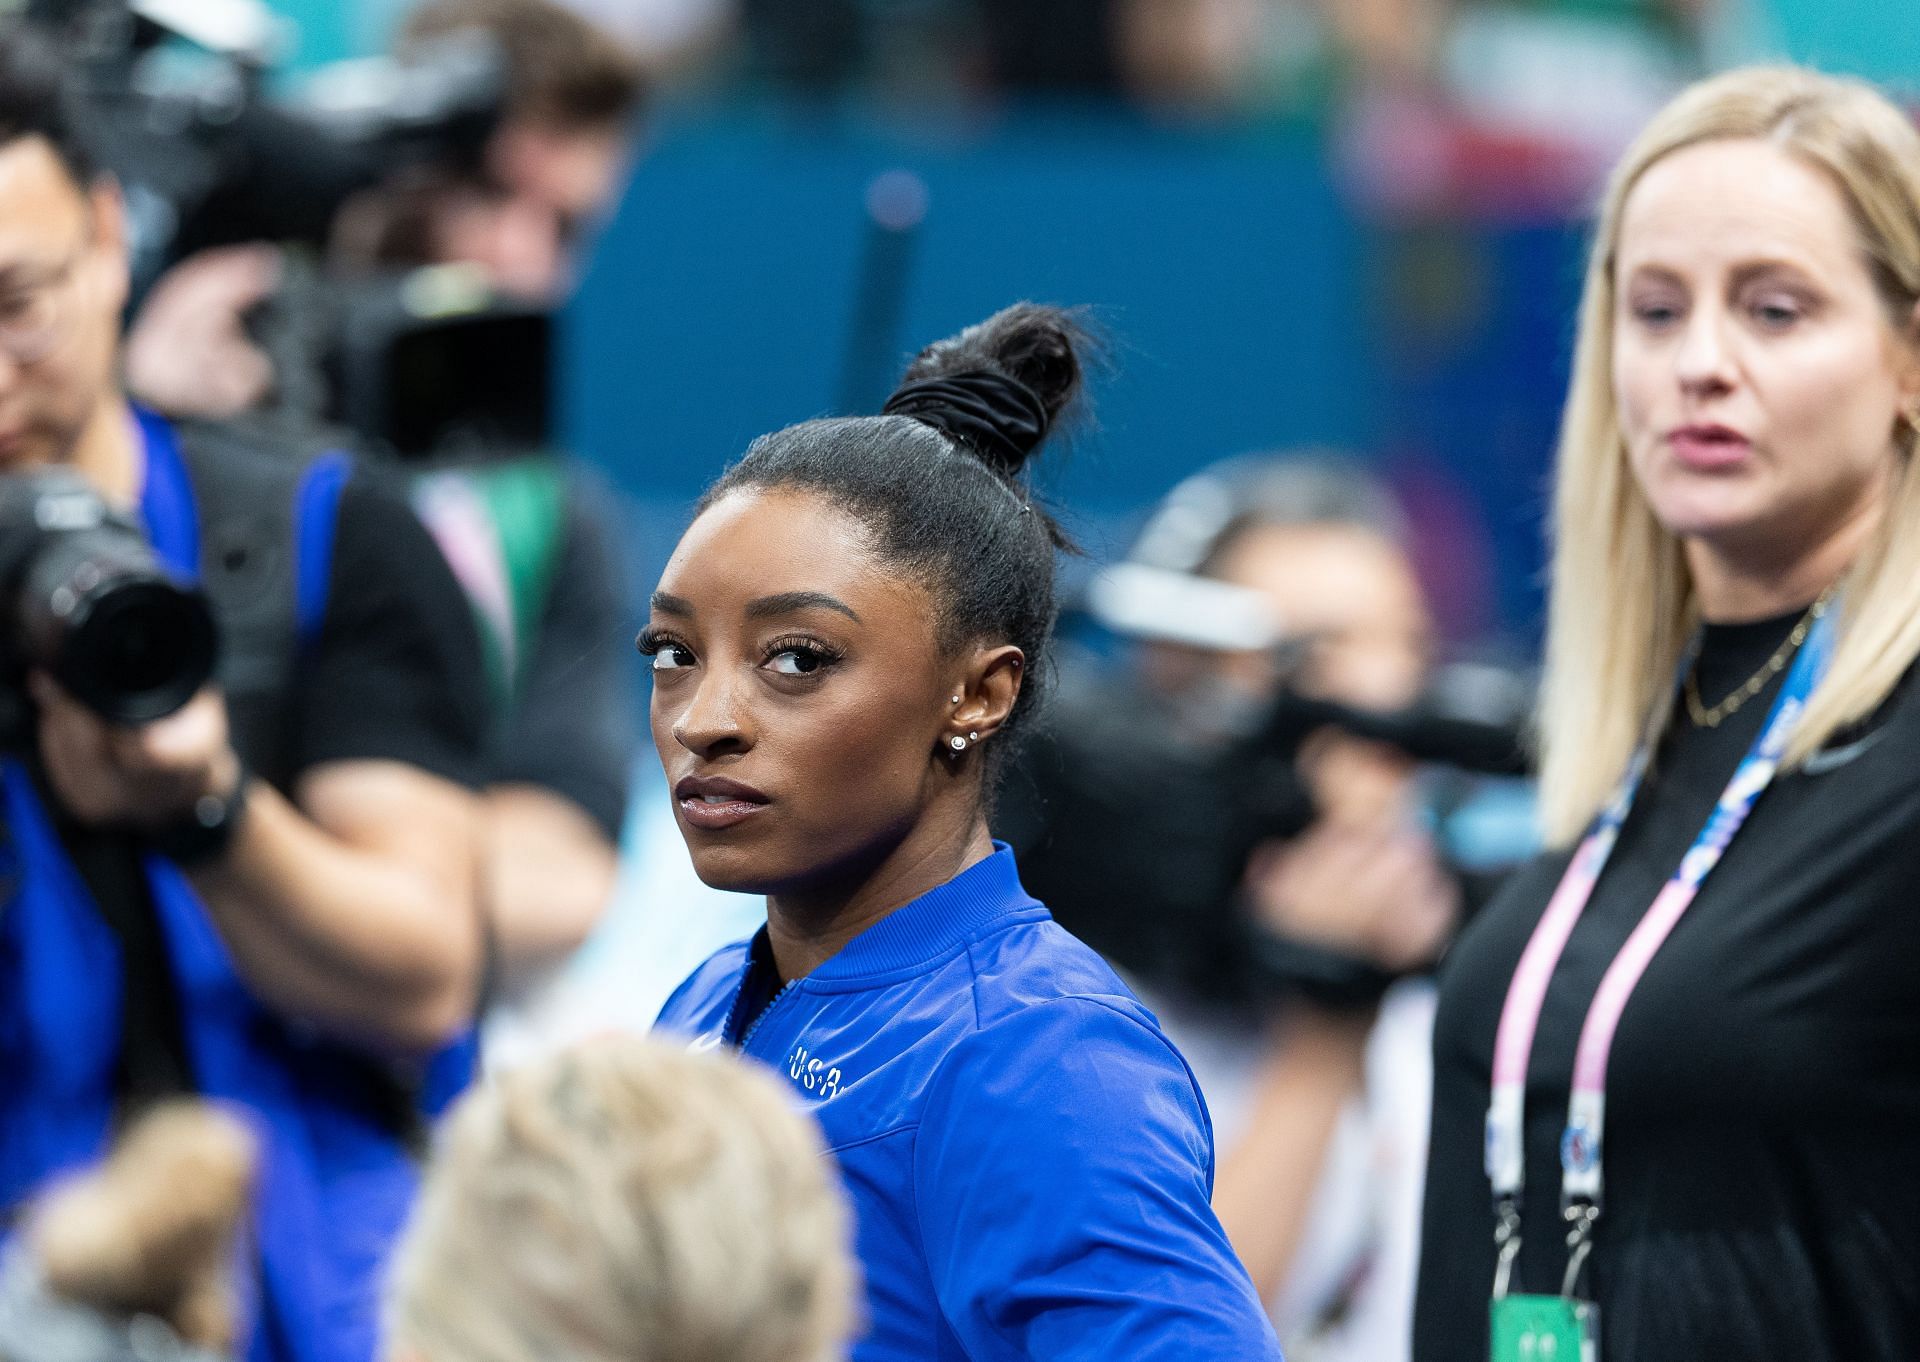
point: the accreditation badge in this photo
(1545, 1329)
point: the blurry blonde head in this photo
(1624, 600)
(152, 1230)
(626, 1202)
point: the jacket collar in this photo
(935, 925)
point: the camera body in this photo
(84, 598)
(420, 364)
(1135, 820)
(176, 103)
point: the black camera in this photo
(1135, 813)
(176, 104)
(421, 364)
(86, 600)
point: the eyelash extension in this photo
(651, 641)
(802, 643)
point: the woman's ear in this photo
(984, 696)
(1910, 370)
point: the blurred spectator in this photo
(1407, 41)
(551, 170)
(1204, 54)
(1505, 105)
(1069, 47)
(1322, 1108)
(133, 1261)
(565, 739)
(523, 530)
(1460, 91)
(621, 1201)
(1278, 993)
(1499, 62)
(1190, 55)
(669, 36)
(818, 47)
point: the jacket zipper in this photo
(772, 1003)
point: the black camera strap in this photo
(154, 1064)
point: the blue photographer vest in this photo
(337, 1176)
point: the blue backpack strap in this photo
(316, 513)
(167, 502)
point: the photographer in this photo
(551, 169)
(1266, 900)
(522, 527)
(260, 891)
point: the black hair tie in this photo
(999, 418)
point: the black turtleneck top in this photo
(1762, 1154)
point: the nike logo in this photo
(1833, 758)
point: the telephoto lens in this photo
(91, 604)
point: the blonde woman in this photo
(1675, 1061)
(626, 1202)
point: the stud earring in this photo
(973, 737)
(956, 699)
(957, 743)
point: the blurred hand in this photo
(188, 352)
(104, 774)
(1354, 781)
(152, 1230)
(1375, 890)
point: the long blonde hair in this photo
(1622, 605)
(627, 1202)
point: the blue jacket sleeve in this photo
(1062, 1174)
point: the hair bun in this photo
(998, 418)
(998, 386)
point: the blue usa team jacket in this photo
(1029, 1159)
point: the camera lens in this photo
(137, 649)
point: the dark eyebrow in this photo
(671, 605)
(789, 601)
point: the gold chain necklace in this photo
(1703, 717)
